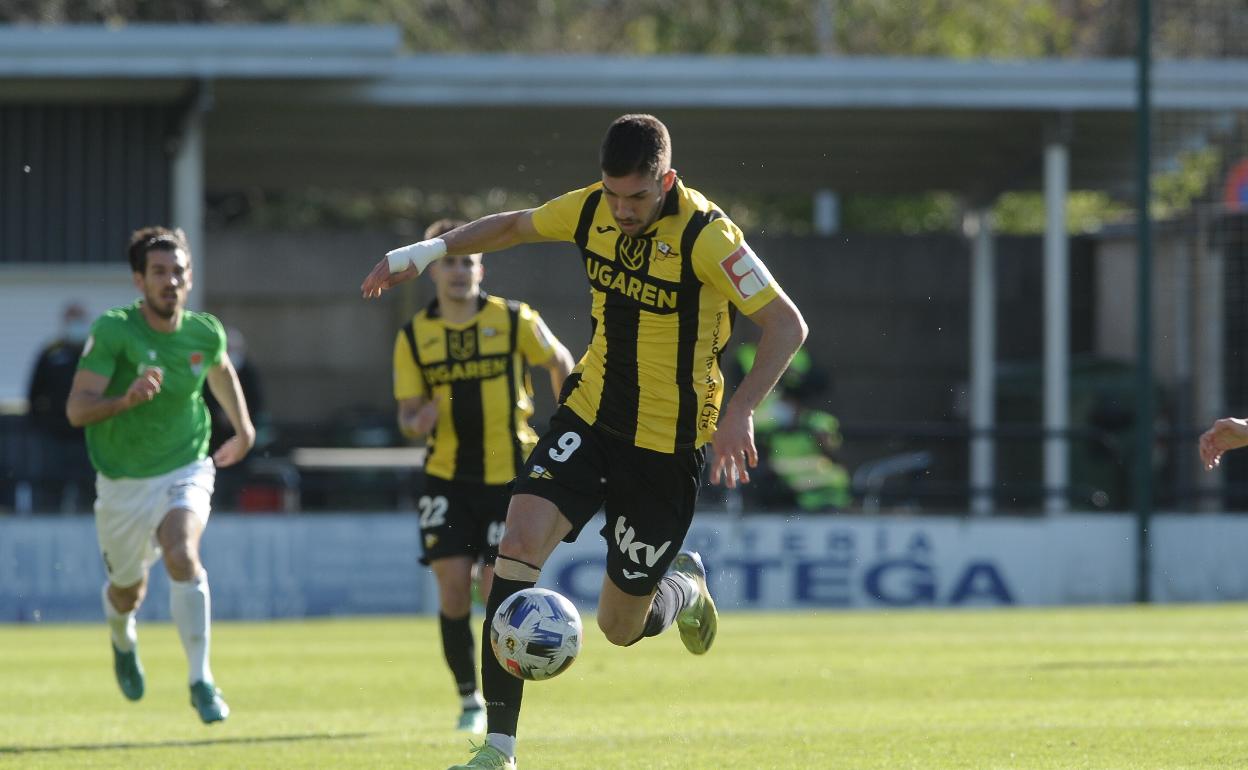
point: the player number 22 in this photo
(567, 444)
(432, 511)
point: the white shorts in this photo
(128, 511)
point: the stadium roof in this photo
(347, 107)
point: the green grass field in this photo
(1081, 688)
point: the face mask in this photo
(76, 331)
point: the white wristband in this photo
(420, 254)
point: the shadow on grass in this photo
(181, 744)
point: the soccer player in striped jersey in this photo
(667, 273)
(138, 392)
(461, 378)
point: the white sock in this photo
(191, 607)
(121, 625)
(472, 702)
(504, 743)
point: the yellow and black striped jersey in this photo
(662, 313)
(479, 371)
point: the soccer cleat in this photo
(472, 721)
(206, 699)
(486, 756)
(129, 672)
(699, 621)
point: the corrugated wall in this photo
(76, 180)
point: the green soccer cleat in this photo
(699, 621)
(206, 699)
(129, 672)
(472, 721)
(486, 756)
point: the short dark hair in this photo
(155, 238)
(636, 144)
(442, 227)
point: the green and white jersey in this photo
(172, 429)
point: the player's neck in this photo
(456, 310)
(162, 325)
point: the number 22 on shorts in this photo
(566, 444)
(432, 511)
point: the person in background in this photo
(61, 454)
(461, 379)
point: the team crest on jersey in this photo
(197, 363)
(632, 252)
(664, 250)
(462, 344)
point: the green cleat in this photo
(486, 756)
(129, 672)
(699, 621)
(472, 721)
(206, 699)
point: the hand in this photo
(735, 452)
(381, 279)
(1226, 434)
(232, 451)
(145, 387)
(425, 418)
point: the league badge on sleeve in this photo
(748, 274)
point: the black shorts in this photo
(460, 518)
(648, 496)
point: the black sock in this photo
(502, 690)
(669, 600)
(459, 652)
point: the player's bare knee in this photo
(619, 631)
(520, 546)
(126, 599)
(182, 563)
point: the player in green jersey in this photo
(138, 393)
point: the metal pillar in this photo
(1056, 323)
(188, 186)
(983, 360)
(827, 212)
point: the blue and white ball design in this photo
(536, 634)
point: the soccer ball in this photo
(536, 634)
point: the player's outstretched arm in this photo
(223, 381)
(784, 331)
(1225, 434)
(481, 236)
(88, 405)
